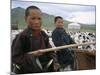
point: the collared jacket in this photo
(61, 38)
(25, 42)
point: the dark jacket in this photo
(24, 43)
(60, 38)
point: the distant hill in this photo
(17, 17)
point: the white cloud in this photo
(76, 13)
(83, 17)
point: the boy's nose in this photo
(37, 21)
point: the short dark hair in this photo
(57, 17)
(28, 8)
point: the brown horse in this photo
(84, 59)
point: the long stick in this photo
(62, 47)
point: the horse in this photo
(84, 59)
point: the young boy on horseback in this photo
(60, 38)
(32, 39)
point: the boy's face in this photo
(59, 23)
(33, 19)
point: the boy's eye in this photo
(39, 18)
(33, 18)
(36, 18)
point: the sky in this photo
(76, 13)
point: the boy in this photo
(60, 38)
(32, 39)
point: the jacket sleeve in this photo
(64, 37)
(18, 55)
(67, 39)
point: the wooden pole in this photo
(62, 47)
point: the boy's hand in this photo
(56, 66)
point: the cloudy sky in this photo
(77, 13)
